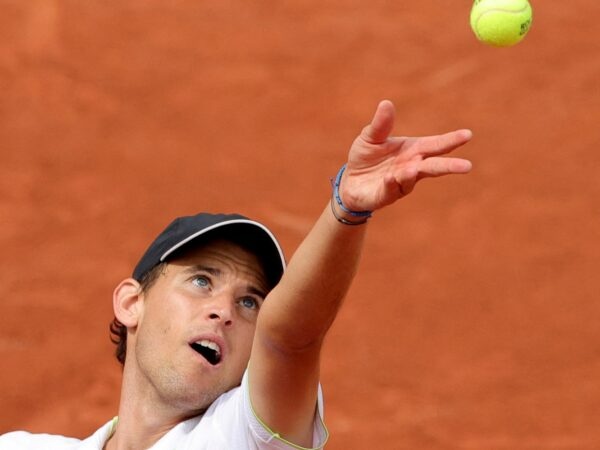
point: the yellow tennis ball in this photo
(501, 23)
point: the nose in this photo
(221, 310)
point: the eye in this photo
(250, 303)
(201, 281)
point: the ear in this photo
(127, 302)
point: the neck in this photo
(143, 417)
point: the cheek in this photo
(158, 320)
(246, 338)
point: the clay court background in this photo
(474, 322)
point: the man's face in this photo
(196, 325)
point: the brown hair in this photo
(118, 331)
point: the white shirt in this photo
(228, 424)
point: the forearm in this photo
(302, 307)
(298, 312)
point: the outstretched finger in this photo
(436, 167)
(382, 123)
(443, 143)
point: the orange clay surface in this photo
(474, 322)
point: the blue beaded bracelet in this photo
(336, 195)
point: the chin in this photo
(197, 396)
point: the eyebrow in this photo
(199, 268)
(217, 272)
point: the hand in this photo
(381, 169)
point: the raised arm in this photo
(284, 366)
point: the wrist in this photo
(343, 217)
(340, 211)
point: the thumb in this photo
(382, 123)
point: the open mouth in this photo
(209, 350)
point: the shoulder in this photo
(23, 440)
(230, 422)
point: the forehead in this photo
(221, 252)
